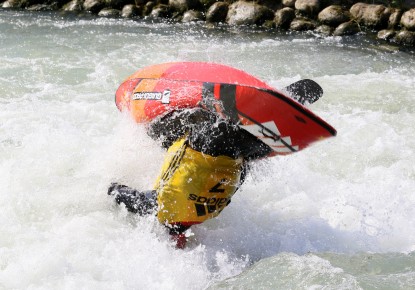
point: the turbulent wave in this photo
(327, 271)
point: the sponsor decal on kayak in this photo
(164, 96)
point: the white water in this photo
(347, 201)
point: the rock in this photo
(284, 17)
(324, 30)
(217, 12)
(130, 10)
(308, 7)
(375, 16)
(5, 4)
(395, 18)
(408, 19)
(387, 48)
(148, 7)
(405, 37)
(94, 6)
(33, 5)
(334, 15)
(192, 16)
(184, 5)
(248, 13)
(347, 28)
(302, 24)
(43, 7)
(15, 4)
(386, 34)
(288, 3)
(268, 24)
(109, 12)
(74, 6)
(161, 11)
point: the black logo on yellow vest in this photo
(205, 205)
(217, 188)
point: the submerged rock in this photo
(109, 12)
(347, 28)
(386, 34)
(302, 24)
(405, 37)
(192, 16)
(325, 30)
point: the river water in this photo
(338, 215)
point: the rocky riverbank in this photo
(392, 20)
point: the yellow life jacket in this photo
(193, 186)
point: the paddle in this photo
(305, 91)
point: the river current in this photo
(338, 215)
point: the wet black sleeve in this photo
(221, 137)
(207, 133)
(177, 124)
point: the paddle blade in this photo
(305, 91)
